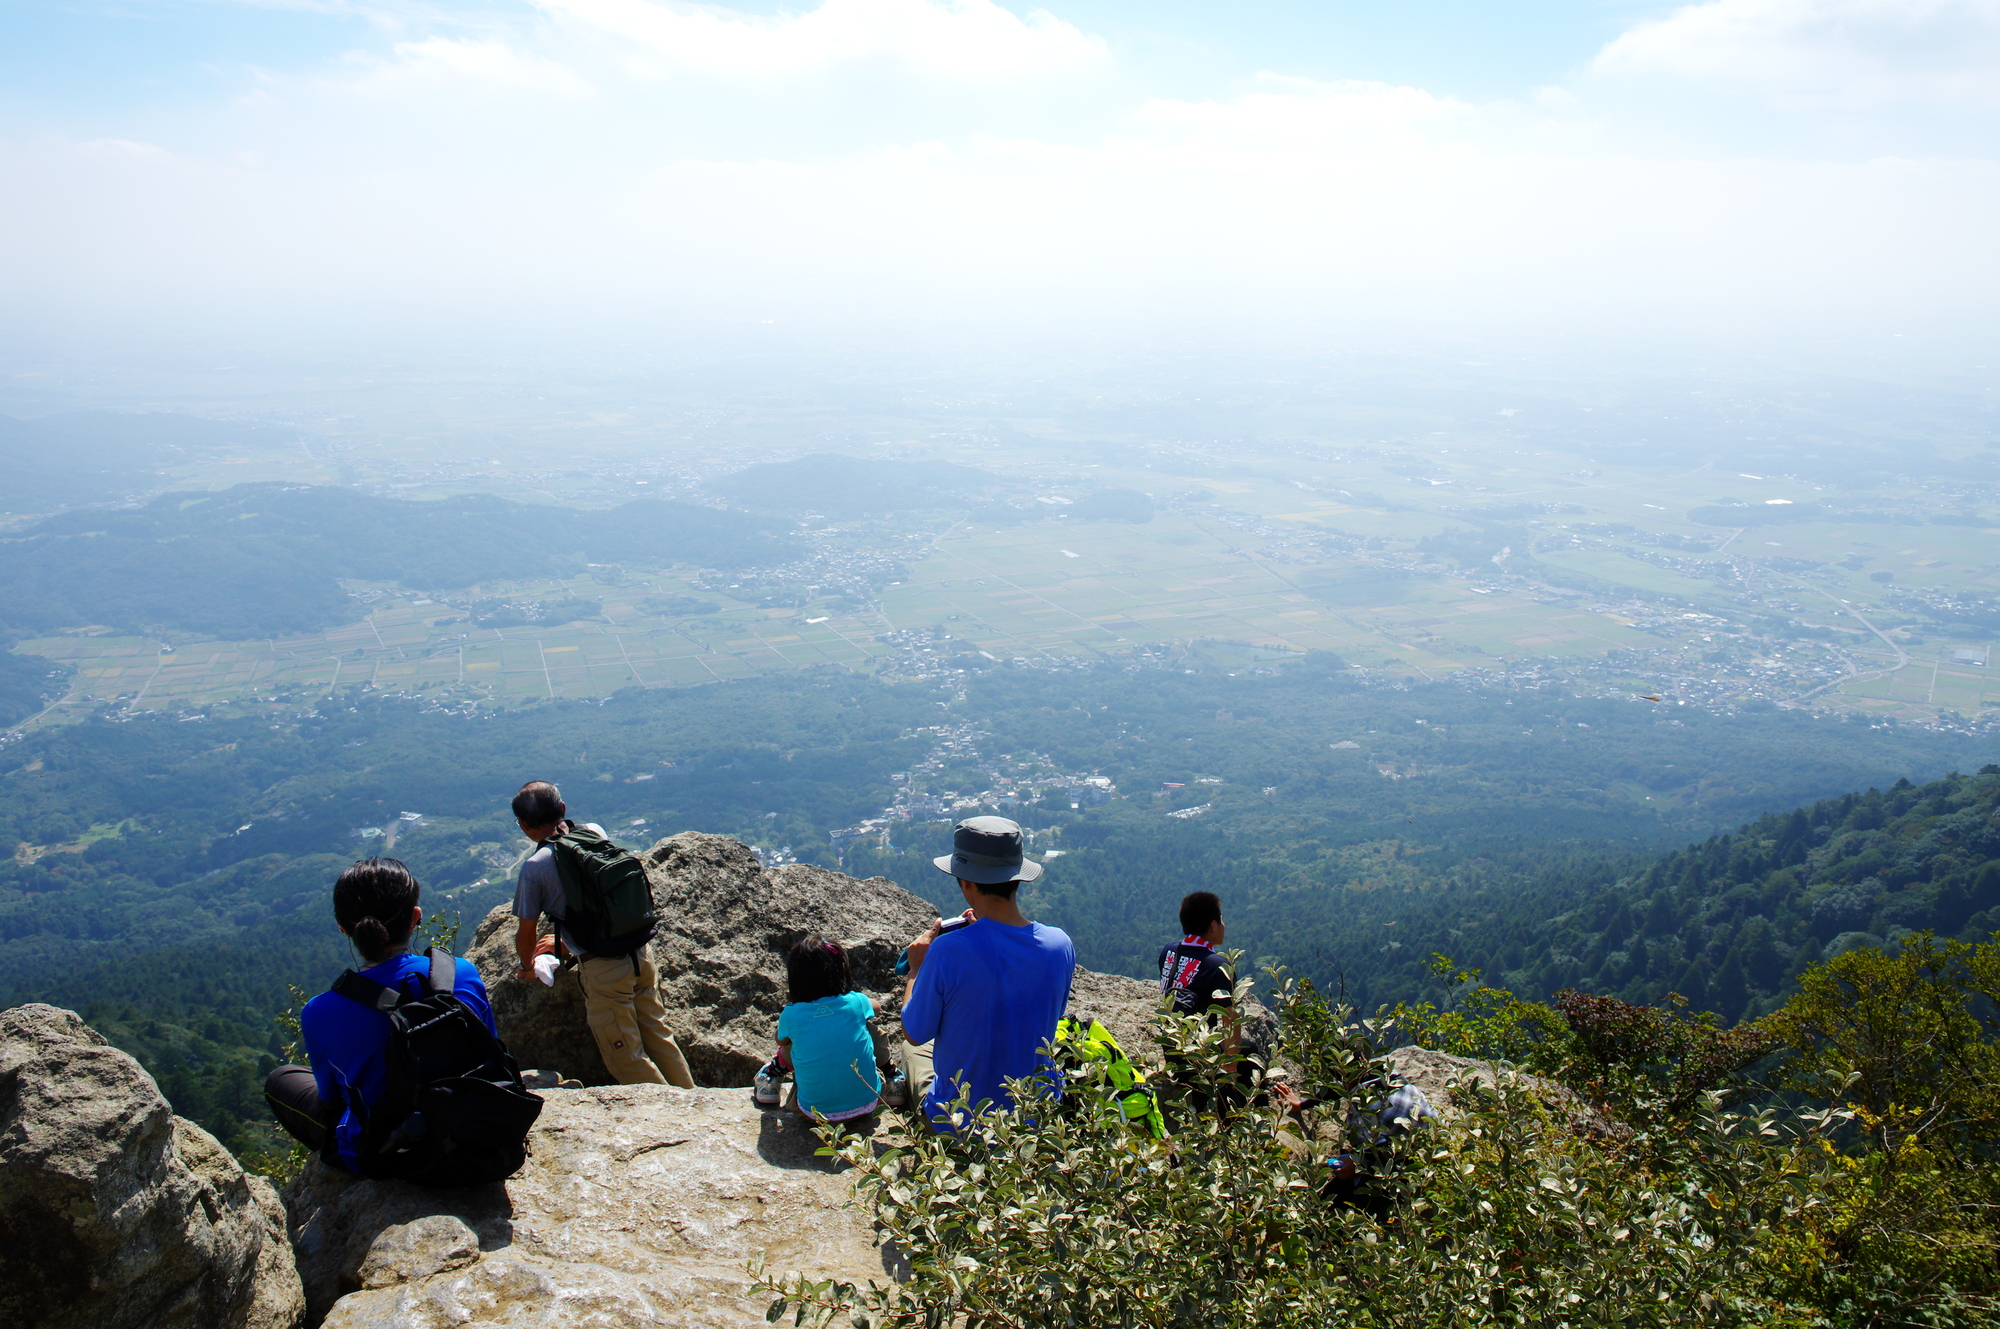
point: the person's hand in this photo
(1288, 1098)
(528, 975)
(920, 945)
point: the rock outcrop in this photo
(639, 1205)
(113, 1211)
(1444, 1077)
(725, 924)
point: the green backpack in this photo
(1082, 1046)
(607, 901)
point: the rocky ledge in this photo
(640, 1205)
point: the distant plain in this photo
(1240, 566)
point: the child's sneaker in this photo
(896, 1090)
(766, 1089)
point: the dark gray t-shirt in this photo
(538, 891)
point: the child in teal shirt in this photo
(823, 1037)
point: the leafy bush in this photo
(1509, 1211)
(1909, 1041)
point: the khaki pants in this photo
(918, 1072)
(621, 995)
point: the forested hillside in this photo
(27, 684)
(265, 559)
(1730, 922)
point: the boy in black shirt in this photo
(1198, 978)
(1191, 972)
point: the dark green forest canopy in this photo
(264, 559)
(1729, 923)
(181, 867)
(27, 684)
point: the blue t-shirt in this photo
(345, 1041)
(833, 1055)
(988, 997)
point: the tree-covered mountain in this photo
(260, 560)
(1730, 923)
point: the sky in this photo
(1801, 173)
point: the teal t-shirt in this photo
(833, 1056)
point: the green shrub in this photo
(1511, 1210)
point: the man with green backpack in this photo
(597, 896)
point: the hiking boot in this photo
(768, 1087)
(896, 1091)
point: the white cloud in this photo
(1296, 113)
(973, 39)
(486, 63)
(1857, 52)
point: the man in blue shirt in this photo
(987, 989)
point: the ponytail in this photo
(375, 903)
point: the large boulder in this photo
(725, 924)
(639, 1205)
(113, 1211)
(1443, 1077)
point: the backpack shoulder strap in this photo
(367, 991)
(443, 975)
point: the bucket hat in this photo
(987, 850)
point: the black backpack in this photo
(455, 1112)
(607, 901)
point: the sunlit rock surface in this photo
(725, 924)
(113, 1211)
(639, 1205)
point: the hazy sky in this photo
(1791, 169)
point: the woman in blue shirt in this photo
(375, 904)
